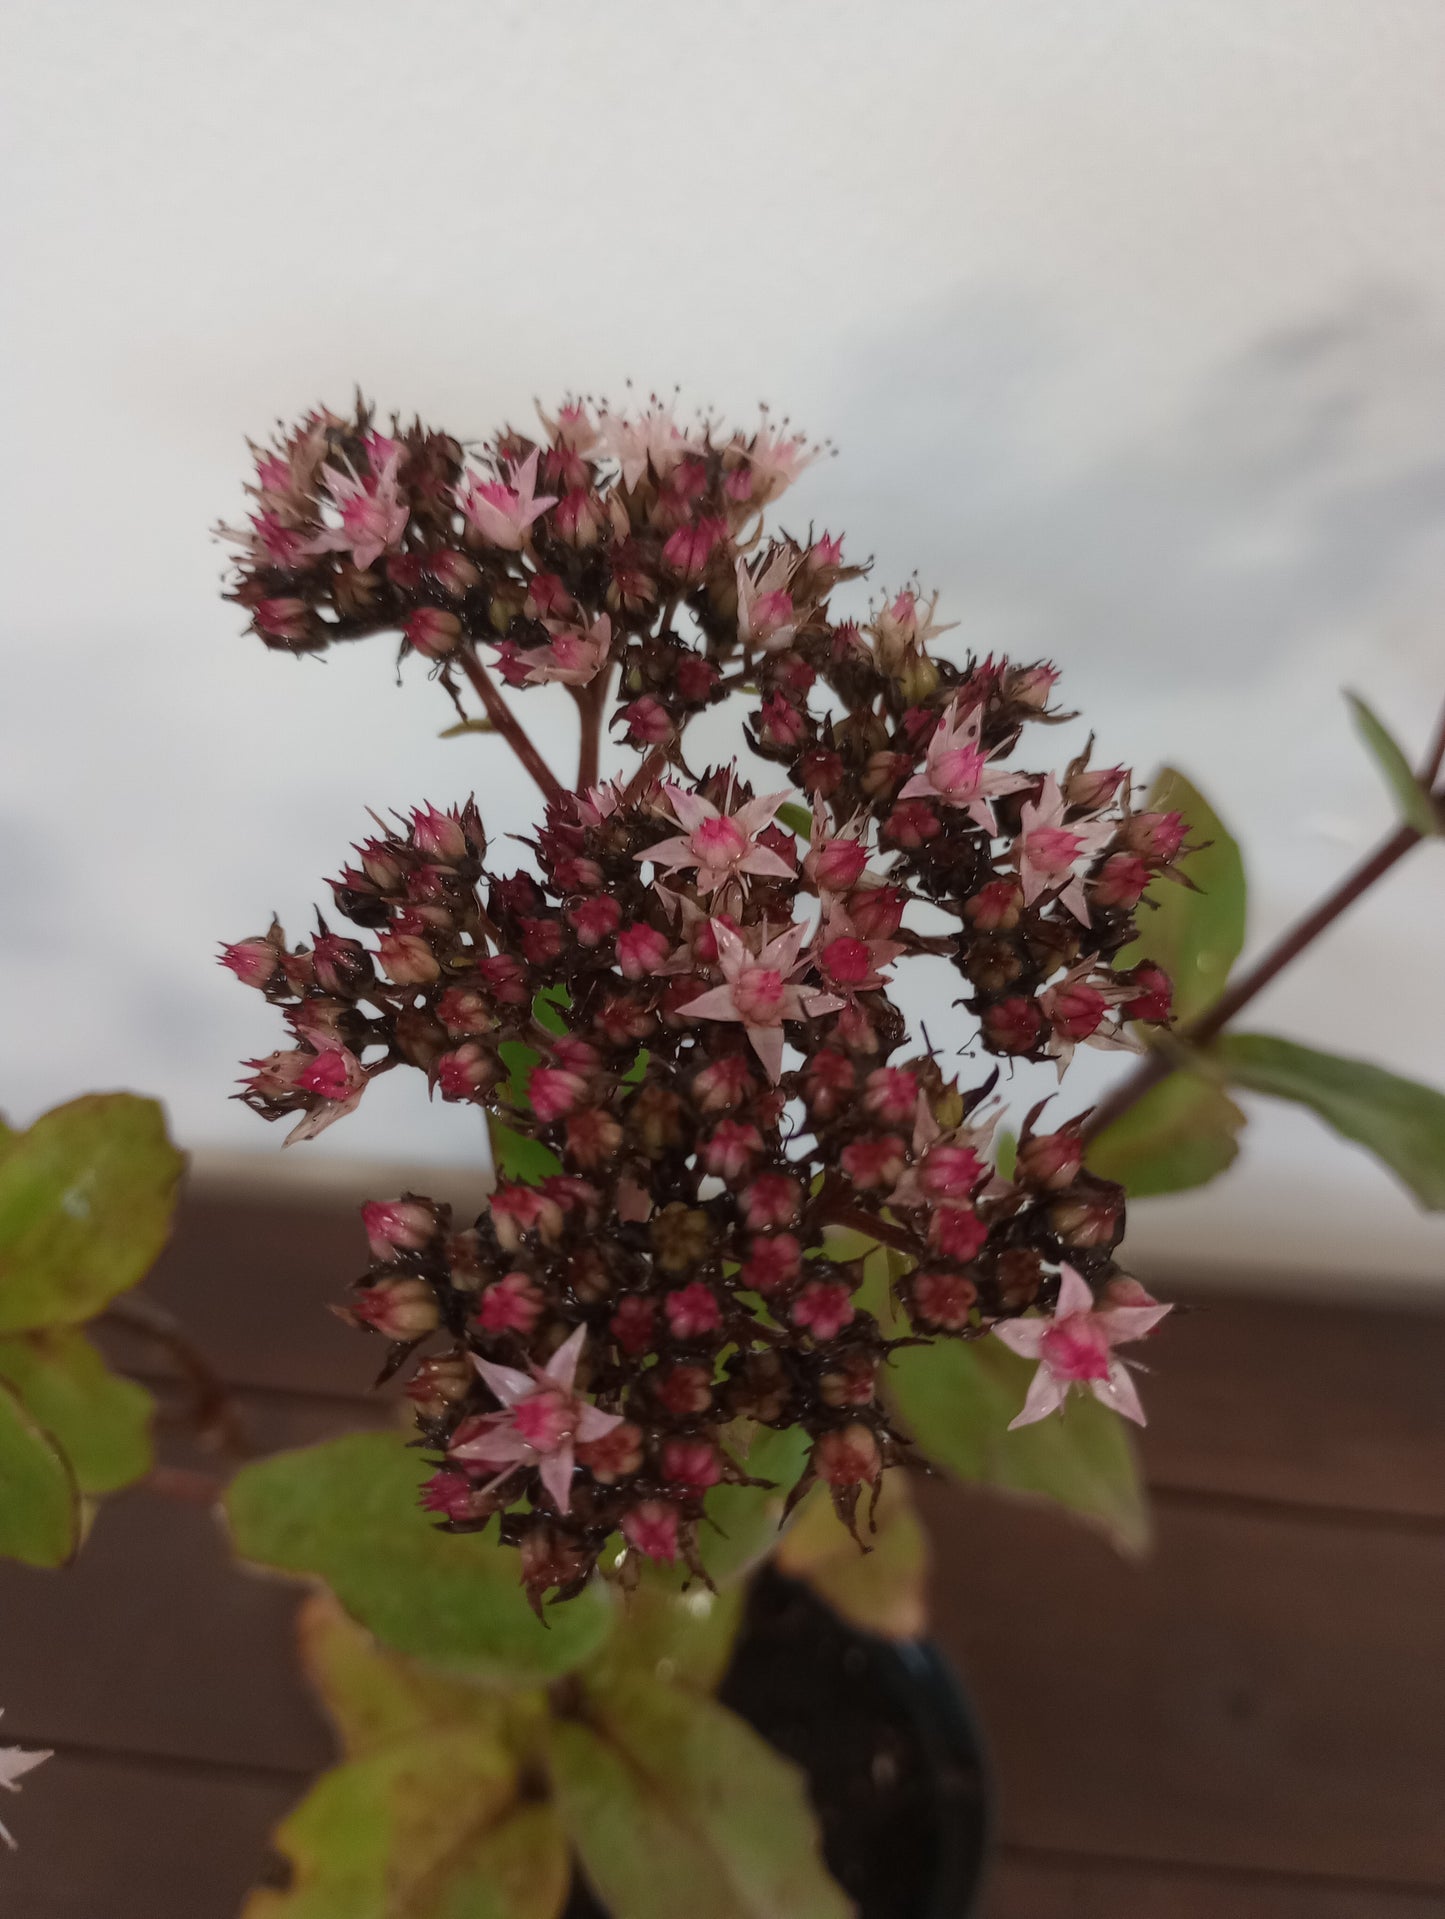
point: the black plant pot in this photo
(889, 1746)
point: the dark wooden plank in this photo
(1322, 1405)
(1265, 1693)
(1326, 1405)
(104, 1838)
(1024, 1886)
(155, 1641)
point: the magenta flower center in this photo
(718, 842)
(1052, 849)
(958, 771)
(546, 1420)
(847, 961)
(758, 995)
(1076, 1348)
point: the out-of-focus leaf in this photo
(426, 1828)
(101, 1422)
(1194, 935)
(86, 1197)
(375, 1697)
(466, 726)
(742, 1522)
(346, 1512)
(516, 1157)
(956, 1398)
(1417, 809)
(680, 1811)
(1400, 1121)
(1182, 1133)
(796, 818)
(39, 1499)
(882, 1590)
(676, 1638)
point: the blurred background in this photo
(1127, 323)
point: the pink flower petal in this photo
(556, 1475)
(1045, 1396)
(1119, 1393)
(505, 1381)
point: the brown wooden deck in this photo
(1251, 1725)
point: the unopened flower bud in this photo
(453, 572)
(407, 959)
(651, 1529)
(397, 1308)
(692, 1312)
(466, 1073)
(681, 1236)
(997, 907)
(641, 949)
(1154, 836)
(849, 1457)
(342, 966)
(691, 1463)
(440, 1383)
(255, 962)
(432, 632)
(1050, 1160)
(617, 1455)
(512, 1305)
(1085, 1222)
(943, 1299)
(1012, 1025)
(823, 1308)
(396, 1226)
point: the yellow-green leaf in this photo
(1417, 809)
(39, 1499)
(677, 1638)
(680, 1811)
(375, 1697)
(956, 1398)
(86, 1197)
(427, 1828)
(882, 1590)
(1400, 1121)
(1182, 1133)
(346, 1512)
(1194, 935)
(101, 1422)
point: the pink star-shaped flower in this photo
(654, 437)
(542, 1422)
(573, 658)
(722, 846)
(502, 511)
(1076, 1348)
(776, 459)
(758, 992)
(14, 1764)
(848, 961)
(373, 514)
(1080, 1012)
(1049, 852)
(766, 615)
(957, 772)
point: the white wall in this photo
(1128, 321)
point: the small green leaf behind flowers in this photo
(1194, 932)
(1182, 1133)
(86, 1199)
(1417, 808)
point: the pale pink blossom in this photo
(654, 437)
(542, 1421)
(572, 426)
(721, 846)
(1081, 1012)
(900, 627)
(766, 615)
(573, 657)
(776, 458)
(1050, 853)
(956, 770)
(502, 511)
(1076, 1348)
(14, 1764)
(758, 991)
(372, 513)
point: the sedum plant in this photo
(678, 1014)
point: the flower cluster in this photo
(678, 1015)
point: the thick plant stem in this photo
(1207, 1025)
(507, 724)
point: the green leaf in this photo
(427, 1828)
(546, 1009)
(85, 1205)
(101, 1422)
(347, 1512)
(678, 1808)
(1194, 936)
(466, 726)
(375, 1697)
(1400, 1121)
(797, 819)
(677, 1638)
(516, 1157)
(1182, 1133)
(956, 1397)
(1417, 809)
(741, 1527)
(39, 1499)
(881, 1590)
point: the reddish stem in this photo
(507, 724)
